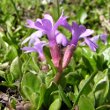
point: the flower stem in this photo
(81, 91)
(58, 75)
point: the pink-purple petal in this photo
(77, 30)
(31, 24)
(103, 37)
(95, 38)
(88, 32)
(39, 25)
(35, 36)
(93, 46)
(43, 25)
(47, 24)
(47, 16)
(29, 49)
(59, 22)
(66, 25)
(82, 29)
(61, 39)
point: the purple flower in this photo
(49, 28)
(35, 45)
(92, 42)
(46, 26)
(78, 32)
(103, 37)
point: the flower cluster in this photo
(57, 40)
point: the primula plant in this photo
(62, 50)
(60, 61)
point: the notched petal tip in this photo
(49, 17)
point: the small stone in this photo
(4, 97)
(19, 107)
(27, 106)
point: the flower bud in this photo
(56, 55)
(67, 55)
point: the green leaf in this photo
(27, 92)
(87, 89)
(15, 68)
(77, 54)
(30, 85)
(2, 74)
(64, 97)
(47, 100)
(33, 62)
(32, 81)
(85, 103)
(25, 65)
(87, 63)
(41, 96)
(99, 78)
(4, 65)
(72, 78)
(100, 61)
(30, 95)
(82, 14)
(106, 54)
(56, 104)
(49, 78)
(101, 87)
(11, 53)
(89, 60)
(91, 95)
(9, 78)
